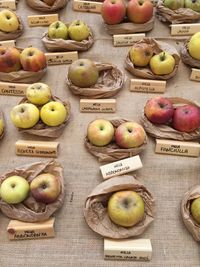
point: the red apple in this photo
(113, 11)
(9, 59)
(139, 11)
(159, 110)
(186, 118)
(32, 59)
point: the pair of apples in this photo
(26, 115)
(8, 21)
(160, 110)
(176, 4)
(45, 188)
(101, 132)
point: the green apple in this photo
(193, 4)
(53, 113)
(194, 45)
(174, 4)
(78, 30)
(162, 63)
(14, 189)
(126, 208)
(25, 115)
(57, 29)
(38, 93)
(1, 126)
(195, 209)
(8, 21)
(140, 54)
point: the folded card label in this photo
(120, 167)
(98, 105)
(14, 89)
(10, 43)
(147, 86)
(11, 4)
(131, 249)
(195, 75)
(127, 39)
(190, 149)
(185, 29)
(42, 20)
(87, 6)
(61, 57)
(18, 230)
(36, 148)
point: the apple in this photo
(193, 4)
(193, 46)
(38, 93)
(126, 208)
(195, 209)
(1, 126)
(129, 135)
(186, 118)
(78, 30)
(140, 54)
(57, 29)
(9, 59)
(25, 115)
(139, 11)
(14, 189)
(49, 2)
(83, 73)
(53, 113)
(8, 21)
(162, 63)
(113, 11)
(100, 132)
(174, 4)
(45, 188)
(159, 110)
(32, 59)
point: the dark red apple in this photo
(113, 11)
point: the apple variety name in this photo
(8, 21)
(101, 132)
(185, 118)
(176, 4)
(117, 11)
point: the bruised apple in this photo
(58, 29)
(113, 11)
(140, 54)
(9, 59)
(38, 93)
(139, 11)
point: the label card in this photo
(195, 75)
(129, 249)
(14, 89)
(18, 230)
(10, 4)
(98, 105)
(42, 20)
(87, 6)
(36, 148)
(127, 39)
(180, 148)
(9, 43)
(185, 29)
(120, 167)
(61, 57)
(147, 86)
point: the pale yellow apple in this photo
(38, 93)
(25, 115)
(53, 113)
(162, 63)
(8, 21)
(194, 46)
(1, 126)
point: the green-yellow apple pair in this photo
(176, 4)
(8, 21)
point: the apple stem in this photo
(162, 56)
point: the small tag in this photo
(14, 89)
(180, 148)
(121, 167)
(87, 6)
(185, 29)
(10, 43)
(98, 105)
(195, 75)
(42, 20)
(61, 57)
(147, 86)
(10, 4)
(129, 249)
(36, 148)
(18, 230)
(127, 39)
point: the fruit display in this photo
(47, 5)
(110, 140)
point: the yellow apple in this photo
(140, 54)
(194, 45)
(8, 21)
(38, 93)
(53, 113)
(1, 126)
(195, 209)
(162, 63)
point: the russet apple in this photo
(126, 208)
(129, 135)
(78, 30)
(194, 45)
(100, 132)
(8, 21)
(113, 11)
(57, 29)
(38, 93)
(83, 73)
(195, 209)
(1, 126)
(162, 64)
(193, 4)
(14, 189)
(174, 4)
(45, 188)
(139, 11)
(53, 113)
(25, 115)
(140, 54)
(186, 118)
(159, 110)
(9, 59)
(33, 59)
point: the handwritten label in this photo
(87, 6)
(98, 105)
(11, 4)
(147, 86)
(195, 75)
(13, 89)
(127, 39)
(185, 29)
(171, 147)
(10, 43)
(42, 20)
(61, 57)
